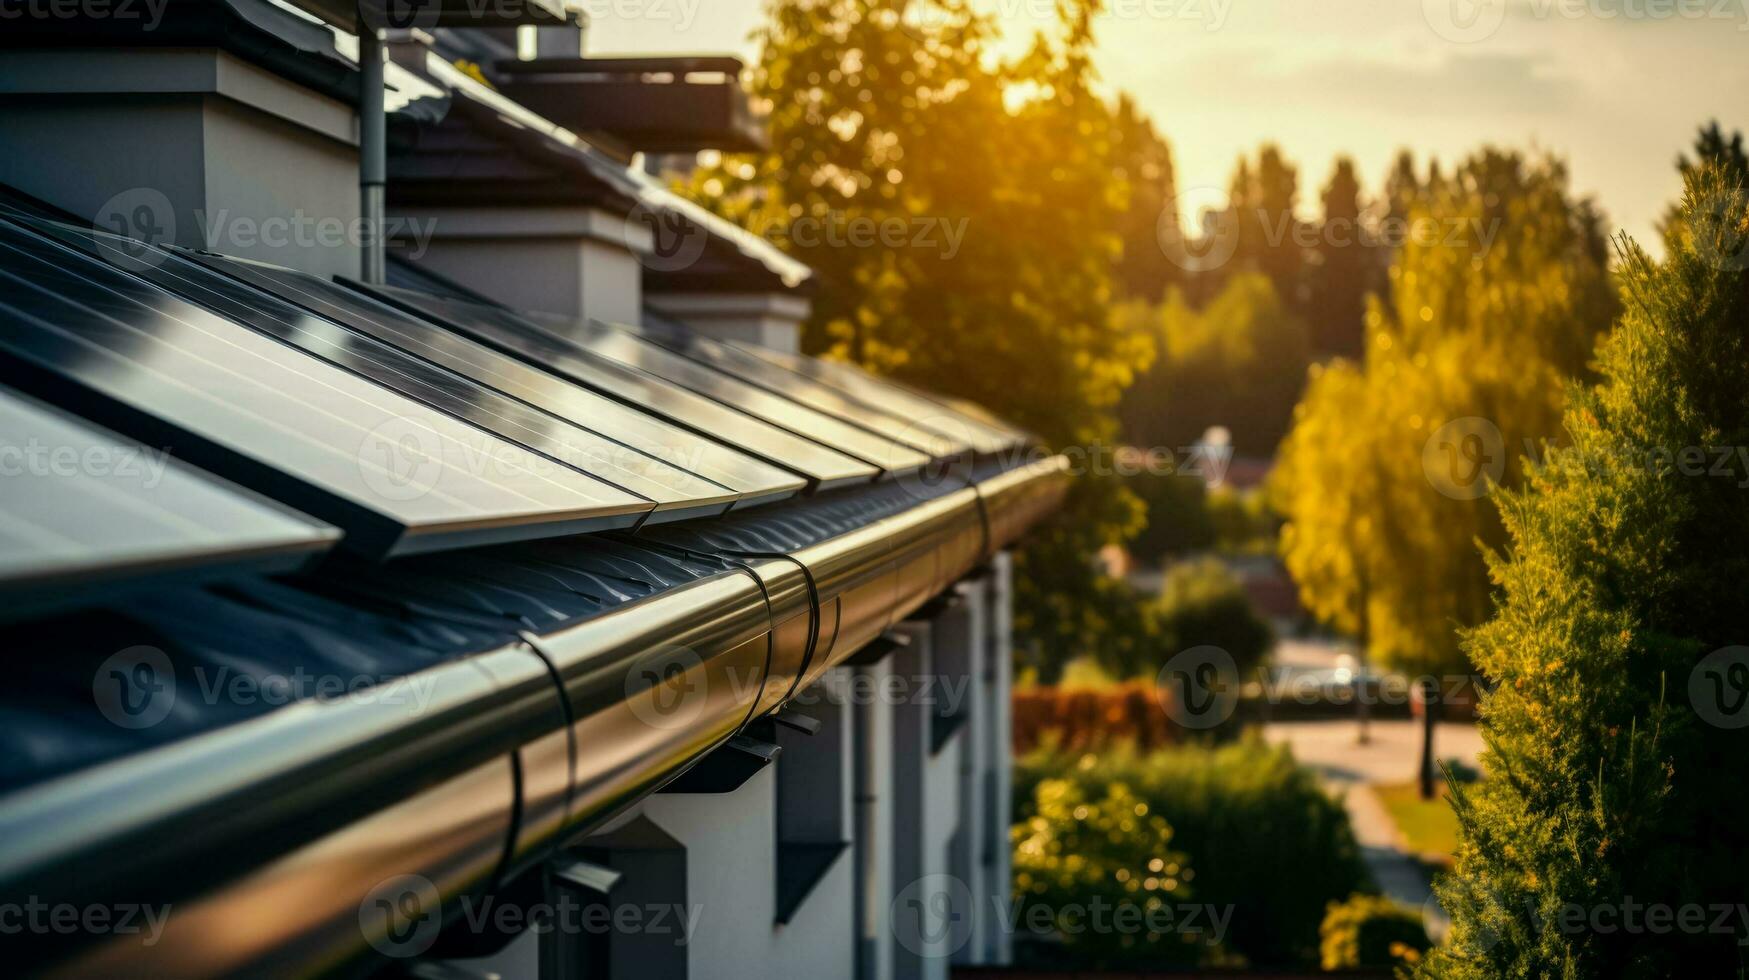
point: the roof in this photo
(490, 148)
(541, 585)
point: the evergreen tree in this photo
(1144, 165)
(1615, 740)
(1711, 149)
(1263, 199)
(1340, 282)
(1403, 190)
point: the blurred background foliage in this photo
(1488, 318)
(1241, 814)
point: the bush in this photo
(1203, 604)
(1242, 520)
(1260, 836)
(1079, 852)
(1179, 519)
(1615, 755)
(1083, 718)
(1371, 932)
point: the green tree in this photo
(1615, 746)
(1382, 479)
(884, 111)
(1202, 603)
(1264, 197)
(1239, 362)
(1145, 165)
(1339, 280)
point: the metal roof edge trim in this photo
(648, 689)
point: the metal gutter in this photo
(271, 832)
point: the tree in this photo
(1615, 736)
(1145, 165)
(1202, 603)
(1239, 362)
(1263, 199)
(1381, 479)
(1341, 276)
(893, 111)
(1711, 149)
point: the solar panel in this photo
(754, 481)
(396, 475)
(817, 396)
(780, 410)
(823, 467)
(79, 506)
(676, 493)
(985, 434)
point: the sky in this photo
(1616, 87)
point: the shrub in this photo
(1615, 760)
(1179, 518)
(1261, 837)
(1202, 603)
(1083, 718)
(1078, 852)
(1371, 932)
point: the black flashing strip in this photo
(879, 649)
(727, 769)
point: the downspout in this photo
(372, 152)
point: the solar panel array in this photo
(407, 420)
(823, 466)
(80, 505)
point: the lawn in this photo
(1429, 827)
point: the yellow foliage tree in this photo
(1499, 295)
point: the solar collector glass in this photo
(823, 467)
(675, 493)
(780, 410)
(923, 410)
(79, 504)
(814, 394)
(395, 475)
(754, 481)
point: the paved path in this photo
(1393, 755)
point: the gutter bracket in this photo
(727, 769)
